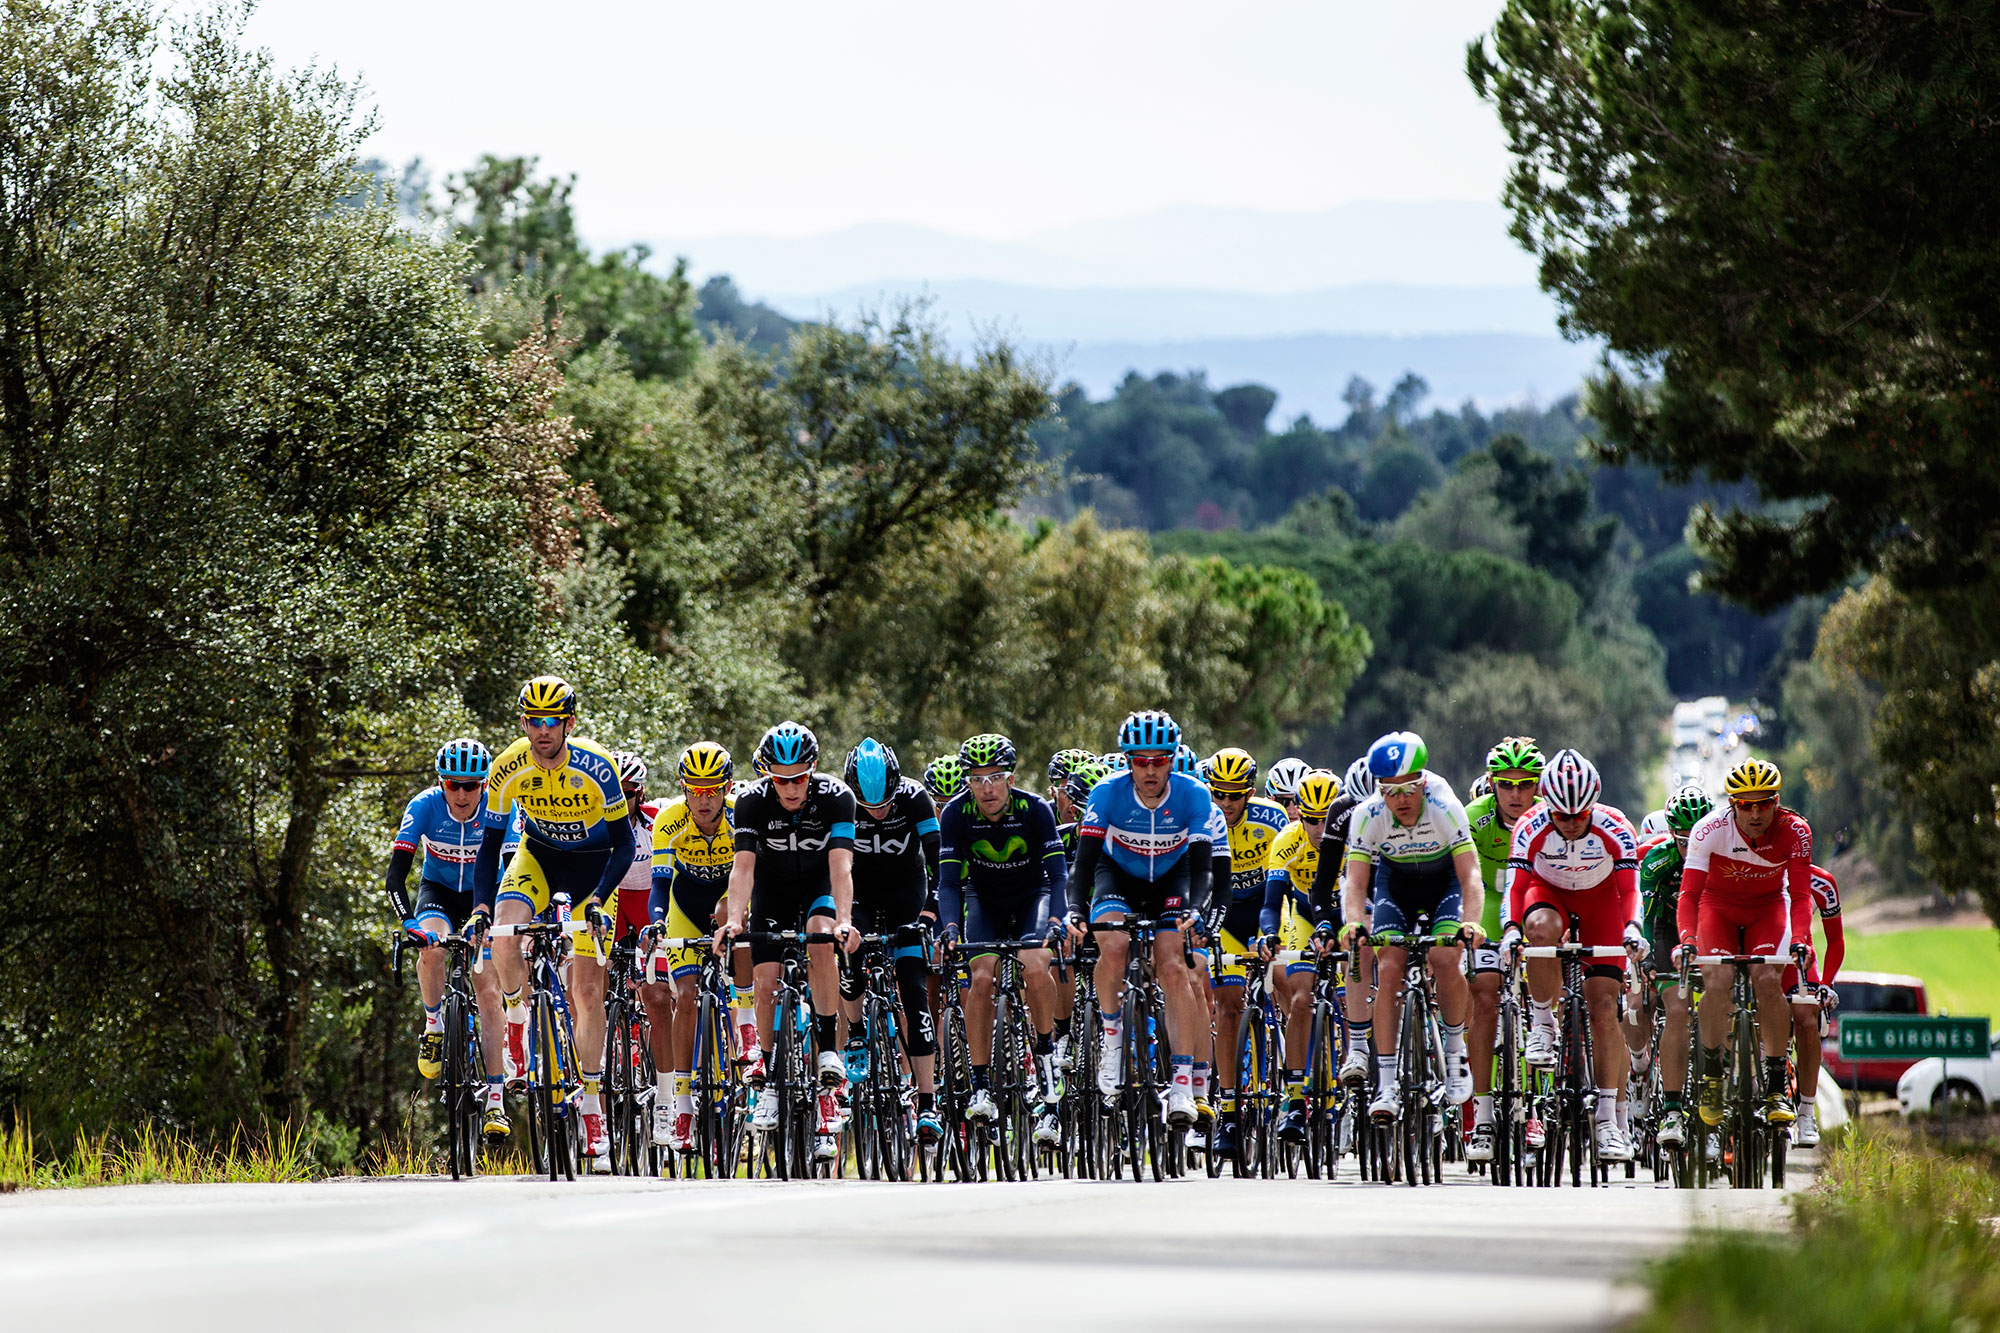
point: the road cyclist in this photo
(1513, 778)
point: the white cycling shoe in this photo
(1388, 1101)
(1805, 1130)
(1457, 1077)
(1110, 1065)
(832, 1070)
(1612, 1145)
(1540, 1049)
(1180, 1106)
(1354, 1069)
(765, 1116)
(982, 1107)
(1479, 1143)
(663, 1126)
(1048, 1130)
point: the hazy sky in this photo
(784, 117)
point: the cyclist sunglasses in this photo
(538, 720)
(1516, 784)
(791, 781)
(1754, 802)
(1401, 788)
(715, 789)
(473, 785)
(1151, 760)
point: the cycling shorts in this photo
(1406, 890)
(1599, 913)
(438, 903)
(684, 962)
(537, 874)
(791, 905)
(1760, 926)
(1000, 920)
(1113, 890)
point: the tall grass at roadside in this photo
(152, 1156)
(1895, 1236)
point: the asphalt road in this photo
(1191, 1254)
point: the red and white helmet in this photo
(1570, 783)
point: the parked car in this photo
(1872, 993)
(1974, 1084)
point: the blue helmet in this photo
(1398, 754)
(872, 772)
(464, 758)
(1150, 729)
(788, 743)
(1114, 761)
(1187, 761)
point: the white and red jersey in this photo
(1825, 895)
(1727, 866)
(1606, 853)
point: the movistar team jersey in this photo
(450, 846)
(791, 846)
(1440, 832)
(1146, 842)
(1007, 859)
(1250, 840)
(568, 808)
(690, 865)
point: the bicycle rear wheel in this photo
(459, 1129)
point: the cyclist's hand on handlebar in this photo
(1351, 934)
(847, 937)
(1829, 998)
(726, 932)
(475, 925)
(418, 935)
(1074, 923)
(1511, 943)
(1266, 946)
(1471, 933)
(597, 919)
(1636, 942)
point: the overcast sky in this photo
(784, 117)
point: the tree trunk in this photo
(283, 906)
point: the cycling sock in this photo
(1184, 1072)
(434, 1018)
(1454, 1038)
(1711, 1062)
(1544, 1014)
(683, 1086)
(926, 1101)
(1385, 1070)
(982, 1076)
(516, 1011)
(1357, 1034)
(684, 1103)
(663, 1086)
(1622, 1113)
(1062, 1029)
(1606, 1109)
(764, 1056)
(496, 1090)
(1200, 1080)
(1774, 1075)
(1295, 1084)
(825, 1032)
(1045, 1043)
(1225, 1099)
(592, 1105)
(1670, 1101)
(1482, 1109)
(1114, 1025)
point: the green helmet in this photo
(1515, 752)
(987, 750)
(1686, 807)
(945, 778)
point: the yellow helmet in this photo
(1318, 790)
(1753, 777)
(548, 696)
(1231, 770)
(706, 764)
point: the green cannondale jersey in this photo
(1660, 883)
(1491, 839)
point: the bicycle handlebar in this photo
(1573, 951)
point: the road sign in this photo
(1910, 1037)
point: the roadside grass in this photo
(1960, 965)
(152, 1156)
(1895, 1236)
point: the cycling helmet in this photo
(872, 772)
(1186, 760)
(464, 758)
(988, 750)
(706, 764)
(1481, 786)
(1149, 729)
(788, 743)
(945, 778)
(1231, 770)
(1062, 761)
(1570, 783)
(1753, 777)
(1081, 778)
(1282, 782)
(1686, 807)
(1359, 782)
(1516, 752)
(631, 769)
(547, 696)
(1115, 761)
(1400, 754)
(1318, 790)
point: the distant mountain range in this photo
(1297, 301)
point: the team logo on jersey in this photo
(797, 842)
(1016, 846)
(880, 845)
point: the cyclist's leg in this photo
(1387, 917)
(1231, 984)
(1109, 906)
(1482, 964)
(823, 971)
(523, 895)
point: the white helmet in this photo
(1359, 784)
(1282, 782)
(1570, 783)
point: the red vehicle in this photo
(1872, 993)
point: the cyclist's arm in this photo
(742, 877)
(1471, 888)
(1055, 865)
(398, 882)
(1277, 884)
(486, 870)
(840, 869)
(1199, 854)
(662, 895)
(623, 845)
(1687, 913)
(1083, 874)
(1836, 947)
(1358, 871)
